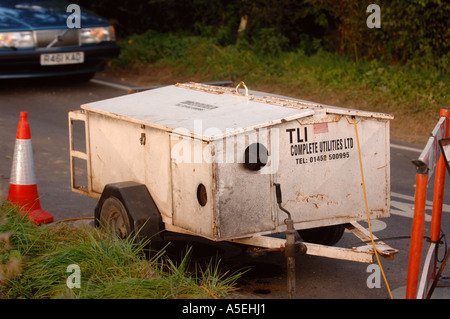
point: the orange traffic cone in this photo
(22, 188)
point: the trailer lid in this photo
(204, 111)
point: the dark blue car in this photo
(48, 38)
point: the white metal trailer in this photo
(206, 160)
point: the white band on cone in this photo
(22, 171)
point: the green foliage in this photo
(137, 16)
(268, 41)
(417, 85)
(34, 260)
(153, 46)
(416, 30)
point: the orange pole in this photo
(415, 249)
(438, 199)
(439, 183)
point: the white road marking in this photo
(375, 225)
(111, 84)
(404, 208)
(406, 148)
(407, 209)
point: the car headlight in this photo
(97, 35)
(22, 39)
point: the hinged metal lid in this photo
(204, 111)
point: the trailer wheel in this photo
(327, 235)
(113, 216)
(127, 208)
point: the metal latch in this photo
(142, 139)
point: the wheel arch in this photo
(143, 214)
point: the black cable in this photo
(437, 250)
(428, 239)
(388, 238)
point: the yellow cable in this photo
(367, 210)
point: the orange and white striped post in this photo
(431, 159)
(439, 184)
(23, 188)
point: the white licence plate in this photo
(62, 58)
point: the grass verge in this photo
(413, 93)
(34, 264)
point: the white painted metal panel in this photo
(157, 170)
(319, 170)
(118, 153)
(197, 113)
(187, 174)
(115, 151)
(244, 198)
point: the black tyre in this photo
(327, 235)
(114, 217)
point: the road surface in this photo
(47, 104)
